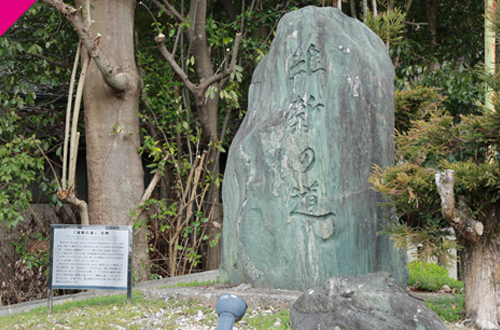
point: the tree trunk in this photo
(481, 253)
(430, 11)
(230, 10)
(481, 263)
(353, 8)
(213, 254)
(208, 111)
(207, 107)
(115, 173)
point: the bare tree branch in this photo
(68, 115)
(173, 11)
(160, 41)
(196, 89)
(118, 81)
(226, 72)
(458, 217)
(82, 208)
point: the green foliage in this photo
(413, 104)
(20, 165)
(388, 25)
(34, 56)
(459, 85)
(433, 243)
(448, 63)
(432, 277)
(451, 309)
(434, 143)
(39, 258)
(30, 47)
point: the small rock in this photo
(446, 289)
(243, 287)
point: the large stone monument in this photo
(298, 207)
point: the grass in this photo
(113, 312)
(194, 284)
(451, 309)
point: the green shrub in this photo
(430, 277)
(450, 309)
(427, 269)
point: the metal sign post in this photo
(90, 258)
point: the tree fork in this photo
(116, 81)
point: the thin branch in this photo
(118, 81)
(242, 26)
(55, 62)
(191, 173)
(68, 115)
(195, 184)
(222, 136)
(160, 41)
(149, 191)
(74, 124)
(152, 16)
(225, 73)
(50, 164)
(81, 205)
(168, 8)
(417, 24)
(177, 38)
(235, 52)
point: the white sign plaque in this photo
(90, 257)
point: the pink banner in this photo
(11, 10)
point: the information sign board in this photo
(90, 257)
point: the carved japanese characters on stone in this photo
(298, 207)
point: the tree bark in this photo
(458, 217)
(115, 173)
(230, 10)
(430, 11)
(480, 255)
(480, 263)
(353, 8)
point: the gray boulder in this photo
(369, 302)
